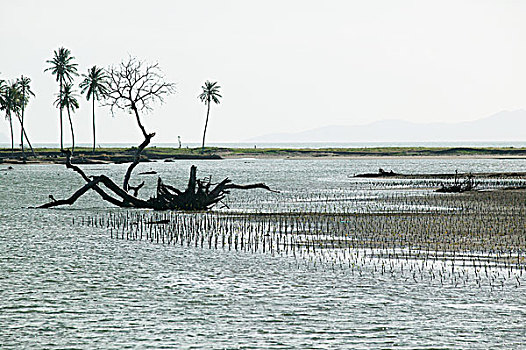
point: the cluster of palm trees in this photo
(95, 86)
(63, 67)
(14, 97)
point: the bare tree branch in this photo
(136, 83)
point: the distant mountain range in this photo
(503, 126)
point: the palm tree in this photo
(10, 104)
(25, 89)
(3, 92)
(210, 93)
(64, 69)
(68, 100)
(95, 85)
(3, 87)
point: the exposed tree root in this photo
(198, 194)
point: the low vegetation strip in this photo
(375, 151)
(119, 155)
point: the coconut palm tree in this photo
(68, 100)
(10, 104)
(3, 90)
(210, 93)
(25, 90)
(3, 87)
(94, 84)
(63, 67)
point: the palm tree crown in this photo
(62, 65)
(25, 89)
(10, 103)
(210, 93)
(94, 83)
(11, 98)
(68, 98)
(95, 86)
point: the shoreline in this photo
(125, 155)
(312, 157)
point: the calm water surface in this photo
(65, 286)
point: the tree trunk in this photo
(72, 134)
(168, 197)
(206, 124)
(12, 139)
(27, 138)
(142, 146)
(60, 108)
(22, 124)
(144, 133)
(197, 196)
(128, 200)
(29, 143)
(93, 105)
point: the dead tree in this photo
(199, 194)
(135, 86)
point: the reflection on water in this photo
(70, 286)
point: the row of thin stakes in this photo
(232, 232)
(475, 238)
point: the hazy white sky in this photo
(284, 66)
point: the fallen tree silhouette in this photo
(198, 195)
(134, 86)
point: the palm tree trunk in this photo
(22, 129)
(72, 134)
(60, 107)
(12, 140)
(29, 143)
(206, 124)
(27, 138)
(22, 120)
(93, 107)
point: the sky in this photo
(283, 66)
